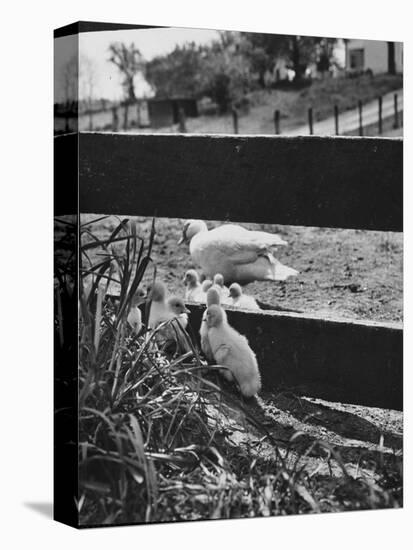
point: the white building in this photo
(373, 55)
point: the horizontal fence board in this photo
(341, 361)
(346, 182)
(66, 174)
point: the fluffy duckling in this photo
(219, 282)
(170, 338)
(239, 299)
(194, 290)
(163, 308)
(178, 309)
(135, 316)
(206, 285)
(240, 255)
(213, 297)
(231, 349)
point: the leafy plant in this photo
(160, 437)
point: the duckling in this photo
(240, 255)
(135, 316)
(169, 337)
(239, 299)
(219, 282)
(177, 308)
(231, 349)
(213, 297)
(159, 307)
(163, 309)
(206, 285)
(193, 292)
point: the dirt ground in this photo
(353, 274)
(343, 273)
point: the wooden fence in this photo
(347, 182)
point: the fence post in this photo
(360, 118)
(336, 120)
(235, 120)
(380, 115)
(310, 120)
(396, 112)
(277, 121)
(125, 116)
(182, 121)
(138, 114)
(90, 120)
(115, 119)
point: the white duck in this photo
(194, 291)
(231, 349)
(239, 299)
(135, 316)
(213, 297)
(240, 255)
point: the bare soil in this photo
(343, 273)
(352, 274)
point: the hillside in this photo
(293, 104)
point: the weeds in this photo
(160, 439)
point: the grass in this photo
(161, 438)
(293, 104)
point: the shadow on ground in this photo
(43, 508)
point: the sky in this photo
(150, 42)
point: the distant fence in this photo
(152, 113)
(163, 113)
(373, 127)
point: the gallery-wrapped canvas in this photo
(228, 274)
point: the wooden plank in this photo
(66, 174)
(341, 361)
(346, 182)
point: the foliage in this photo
(178, 73)
(229, 68)
(129, 61)
(155, 429)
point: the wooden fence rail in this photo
(346, 182)
(346, 361)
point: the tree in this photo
(69, 80)
(87, 82)
(219, 71)
(130, 62)
(298, 51)
(178, 73)
(264, 51)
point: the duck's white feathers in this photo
(239, 254)
(160, 312)
(213, 296)
(195, 294)
(245, 302)
(231, 349)
(135, 319)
